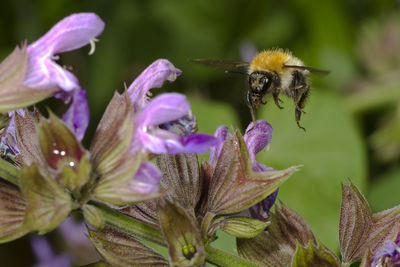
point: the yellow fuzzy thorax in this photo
(270, 60)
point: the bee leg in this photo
(252, 110)
(299, 109)
(277, 100)
(298, 115)
(300, 105)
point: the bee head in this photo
(261, 83)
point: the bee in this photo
(273, 72)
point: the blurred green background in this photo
(353, 114)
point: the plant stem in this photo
(135, 228)
(9, 172)
(222, 258)
(131, 226)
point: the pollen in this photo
(270, 60)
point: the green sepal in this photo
(75, 179)
(242, 227)
(314, 256)
(13, 94)
(112, 160)
(62, 150)
(360, 230)
(120, 249)
(48, 204)
(277, 246)
(93, 216)
(182, 234)
(234, 186)
(12, 212)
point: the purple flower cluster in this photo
(42, 72)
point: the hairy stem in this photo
(222, 258)
(131, 226)
(135, 228)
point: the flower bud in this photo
(242, 227)
(93, 216)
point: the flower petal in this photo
(45, 254)
(152, 77)
(77, 115)
(261, 210)
(220, 134)
(258, 137)
(388, 253)
(70, 33)
(9, 138)
(161, 141)
(147, 179)
(162, 109)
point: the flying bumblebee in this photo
(273, 72)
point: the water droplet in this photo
(55, 151)
(71, 163)
(63, 153)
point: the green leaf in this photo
(242, 226)
(12, 212)
(48, 204)
(122, 250)
(331, 150)
(314, 256)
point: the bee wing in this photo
(223, 64)
(312, 70)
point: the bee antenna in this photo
(236, 72)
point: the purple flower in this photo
(146, 180)
(46, 256)
(80, 249)
(77, 115)
(256, 139)
(73, 32)
(42, 72)
(166, 108)
(388, 254)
